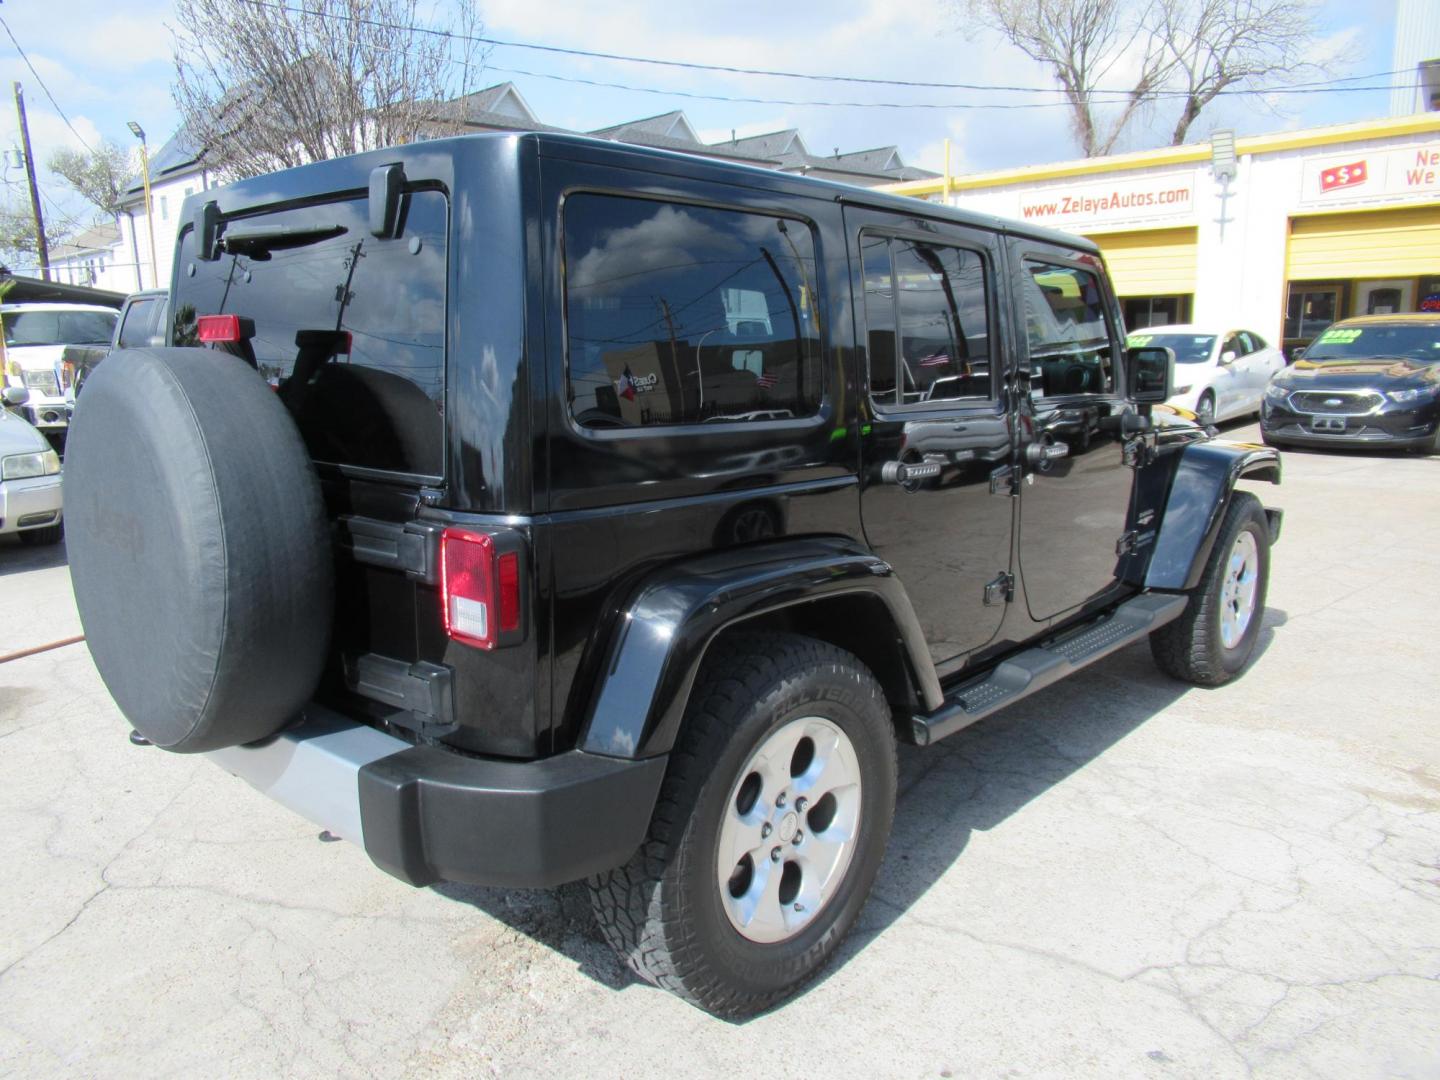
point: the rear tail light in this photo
(479, 588)
(218, 329)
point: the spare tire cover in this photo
(198, 546)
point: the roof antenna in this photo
(837, 152)
(732, 136)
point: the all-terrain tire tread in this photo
(1187, 648)
(660, 945)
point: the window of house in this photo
(164, 209)
(679, 314)
(937, 297)
(1071, 348)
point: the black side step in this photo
(1038, 667)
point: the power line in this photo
(1322, 86)
(982, 105)
(41, 81)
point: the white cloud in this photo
(124, 42)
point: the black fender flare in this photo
(1195, 507)
(663, 630)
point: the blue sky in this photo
(108, 62)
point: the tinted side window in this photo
(1253, 341)
(880, 317)
(1068, 332)
(139, 325)
(379, 405)
(679, 314)
(939, 296)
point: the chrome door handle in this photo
(905, 472)
(1041, 454)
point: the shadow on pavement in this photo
(972, 781)
(16, 558)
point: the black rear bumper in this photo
(425, 814)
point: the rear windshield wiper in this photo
(257, 240)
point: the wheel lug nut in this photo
(775, 855)
(800, 804)
(766, 830)
(798, 837)
(780, 800)
(799, 907)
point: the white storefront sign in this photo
(1365, 175)
(1115, 202)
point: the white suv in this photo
(35, 339)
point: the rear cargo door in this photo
(349, 330)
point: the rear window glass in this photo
(59, 327)
(679, 314)
(379, 406)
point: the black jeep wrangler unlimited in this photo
(530, 508)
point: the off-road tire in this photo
(1190, 648)
(662, 912)
(50, 534)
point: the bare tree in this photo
(269, 84)
(1082, 42)
(1219, 44)
(100, 176)
(1187, 50)
(17, 235)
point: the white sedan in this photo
(1218, 374)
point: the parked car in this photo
(1368, 382)
(1219, 374)
(30, 501)
(35, 340)
(617, 527)
(142, 323)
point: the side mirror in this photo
(1298, 353)
(15, 396)
(1227, 357)
(1151, 374)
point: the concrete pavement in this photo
(1120, 876)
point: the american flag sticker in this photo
(765, 381)
(938, 359)
(1343, 176)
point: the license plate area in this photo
(1330, 425)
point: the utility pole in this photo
(41, 248)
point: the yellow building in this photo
(1302, 227)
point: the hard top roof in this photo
(256, 191)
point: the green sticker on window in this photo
(1139, 341)
(1339, 337)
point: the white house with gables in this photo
(178, 170)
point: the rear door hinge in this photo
(1133, 540)
(1002, 481)
(1001, 590)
